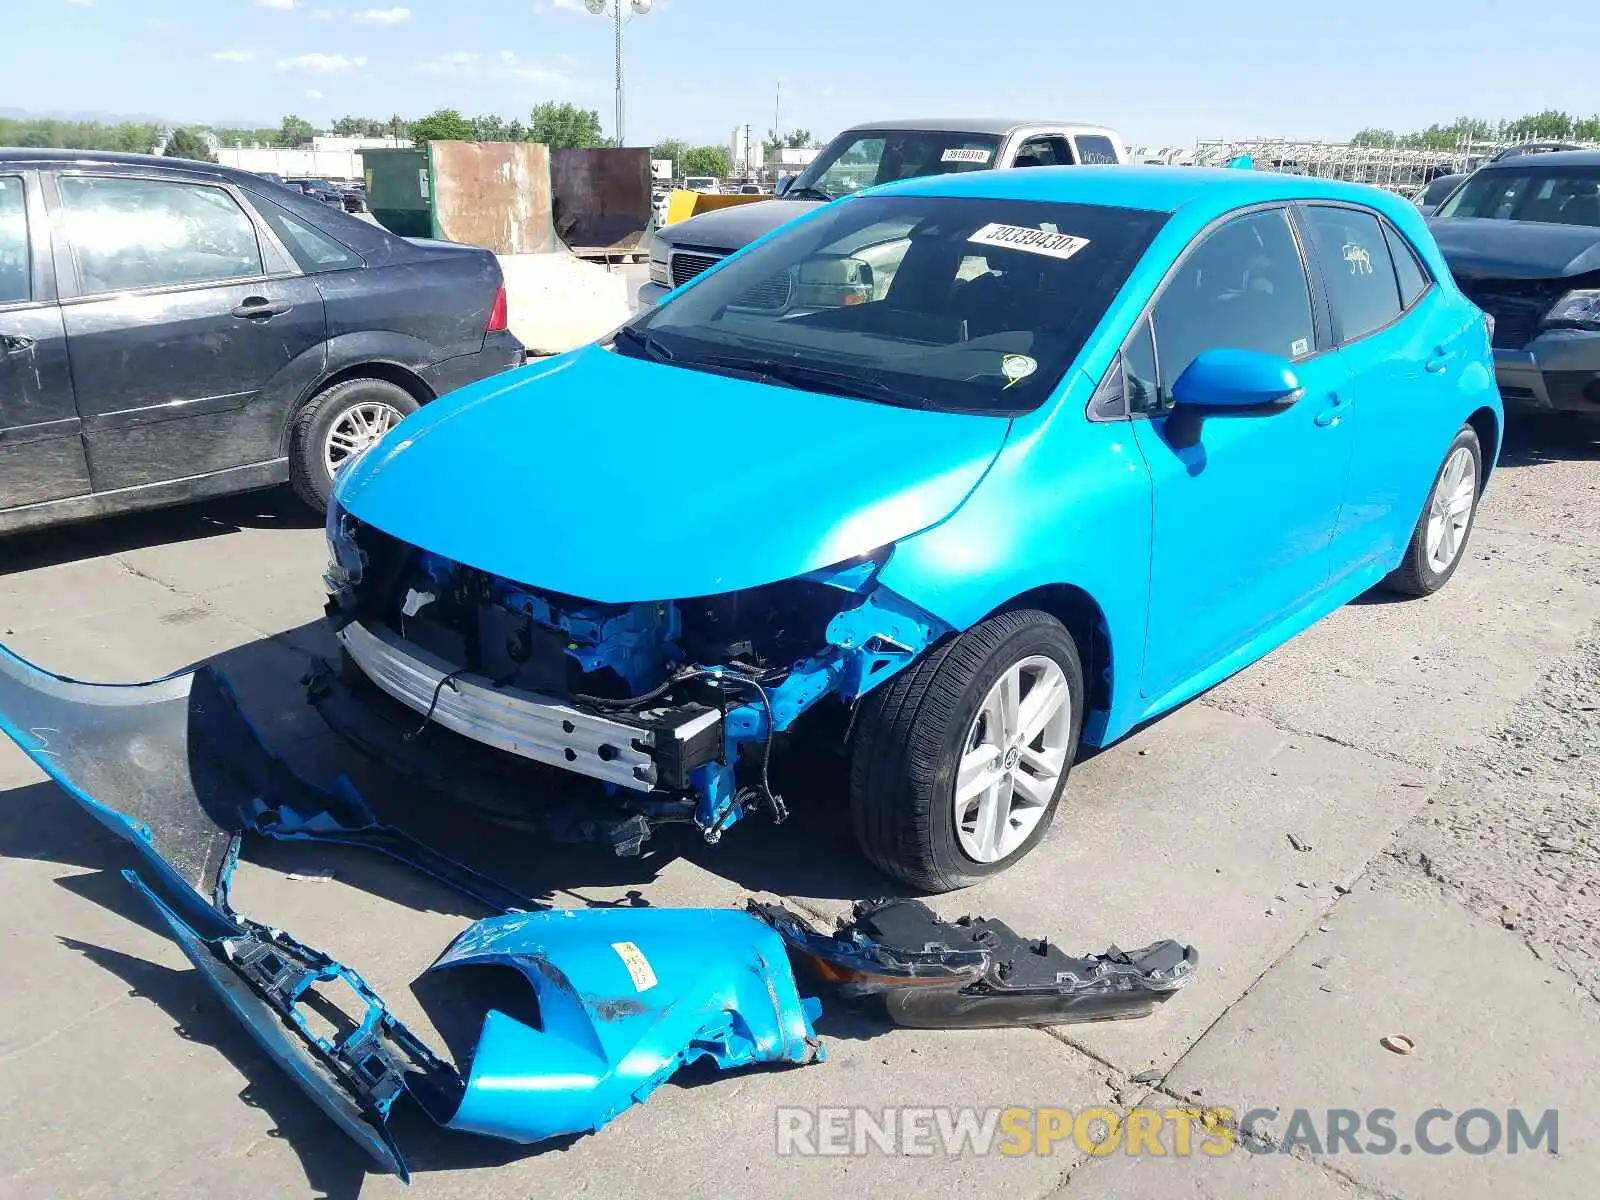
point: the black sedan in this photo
(172, 330)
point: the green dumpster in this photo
(399, 190)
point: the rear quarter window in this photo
(1357, 265)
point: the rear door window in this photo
(1359, 270)
(1243, 287)
(126, 233)
(1095, 149)
(14, 275)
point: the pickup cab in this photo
(864, 155)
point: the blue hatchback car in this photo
(956, 475)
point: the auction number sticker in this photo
(971, 154)
(1034, 241)
(639, 969)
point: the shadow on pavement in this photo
(276, 508)
(1534, 438)
(333, 1164)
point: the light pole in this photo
(621, 12)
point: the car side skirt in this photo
(251, 477)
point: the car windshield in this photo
(871, 158)
(956, 304)
(1529, 193)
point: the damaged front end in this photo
(605, 1006)
(668, 709)
(896, 958)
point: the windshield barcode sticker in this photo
(972, 154)
(643, 975)
(1034, 241)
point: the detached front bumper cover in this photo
(897, 958)
(611, 1002)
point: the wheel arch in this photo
(1486, 424)
(389, 372)
(1086, 620)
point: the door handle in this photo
(1331, 414)
(15, 343)
(1437, 364)
(259, 308)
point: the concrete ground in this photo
(1437, 763)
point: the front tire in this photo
(1439, 542)
(339, 425)
(960, 760)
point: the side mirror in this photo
(1229, 383)
(1237, 383)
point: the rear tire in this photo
(1424, 569)
(915, 730)
(309, 471)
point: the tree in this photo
(516, 131)
(445, 125)
(565, 127)
(489, 129)
(360, 127)
(399, 127)
(706, 160)
(189, 143)
(295, 133)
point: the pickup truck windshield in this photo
(1558, 197)
(955, 304)
(883, 156)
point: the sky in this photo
(1162, 72)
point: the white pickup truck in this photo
(878, 152)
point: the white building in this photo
(328, 157)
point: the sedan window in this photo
(1242, 288)
(1359, 271)
(314, 250)
(13, 241)
(129, 233)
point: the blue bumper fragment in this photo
(625, 997)
(621, 997)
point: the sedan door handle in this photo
(1331, 414)
(259, 308)
(15, 343)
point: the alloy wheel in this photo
(357, 430)
(1012, 759)
(1450, 510)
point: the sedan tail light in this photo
(497, 314)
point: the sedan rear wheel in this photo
(337, 427)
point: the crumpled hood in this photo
(736, 226)
(1475, 247)
(620, 480)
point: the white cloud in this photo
(282, 5)
(233, 56)
(385, 16)
(314, 94)
(81, 3)
(504, 66)
(327, 64)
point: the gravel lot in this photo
(1440, 759)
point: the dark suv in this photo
(174, 330)
(1522, 237)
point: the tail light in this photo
(497, 314)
